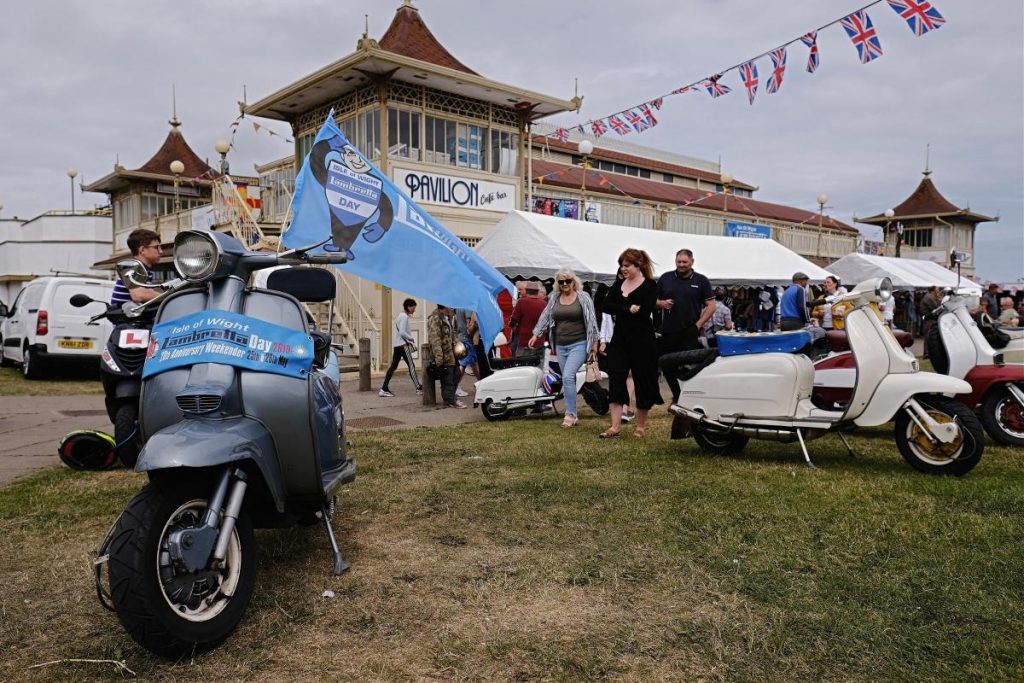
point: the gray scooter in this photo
(227, 448)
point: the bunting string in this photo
(920, 15)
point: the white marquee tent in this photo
(533, 245)
(906, 273)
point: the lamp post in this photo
(586, 149)
(223, 146)
(177, 168)
(72, 173)
(889, 213)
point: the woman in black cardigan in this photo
(631, 301)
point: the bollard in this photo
(364, 364)
(429, 387)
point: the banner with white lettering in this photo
(749, 230)
(231, 339)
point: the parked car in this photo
(43, 330)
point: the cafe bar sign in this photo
(449, 190)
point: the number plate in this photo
(133, 339)
(74, 343)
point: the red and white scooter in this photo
(958, 347)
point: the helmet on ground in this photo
(86, 449)
(552, 383)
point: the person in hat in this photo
(794, 303)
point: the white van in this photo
(42, 328)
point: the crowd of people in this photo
(628, 326)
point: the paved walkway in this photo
(32, 426)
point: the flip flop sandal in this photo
(608, 434)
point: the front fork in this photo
(196, 548)
(945, 432)
(1016, 392)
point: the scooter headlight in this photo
(884, 289)
(196, 255)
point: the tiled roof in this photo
(926, 200)
(643, 162)
(175, 148)
(673, 195)
(409, 36)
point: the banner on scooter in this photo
(342, 199)
(228, 338)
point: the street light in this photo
(72, 173)
(223, 146)
(822, 198)
(586, 148)
(889, 213)
(726, 182)
(177, 168)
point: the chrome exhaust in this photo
(761, 433)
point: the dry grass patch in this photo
(521, 551)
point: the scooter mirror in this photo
(80, 300)
(133, 274)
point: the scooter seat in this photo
(736, 343)
(839, 342)
(686, 364)
(521, 362)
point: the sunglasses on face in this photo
(565, 282)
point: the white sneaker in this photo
(460, 393)
(419, 392)
(385, 393)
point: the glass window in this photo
(472, 146)
(644, 173)
(504, 152)
(403, 133)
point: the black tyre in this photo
(1003, 417)
(596, 397)
(4, 362)
(717, 441)
(936, 350)
(495, 412)
(127, 435)
(168, 611)
(31, 365)
(957, 457)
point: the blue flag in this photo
(344, 201)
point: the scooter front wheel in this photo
(957, 457)
(170, 611)
(1003, 417)
(126, 434)
(718, 442)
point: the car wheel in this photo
(31, 365)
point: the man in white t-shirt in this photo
(405, 343)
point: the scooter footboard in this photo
(895, 390)
(196, 443)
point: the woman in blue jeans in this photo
(570, 314)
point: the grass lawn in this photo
(521, 551)
(70, 382)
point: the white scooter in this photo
(727, 400)
(517, 385)
(958, 346)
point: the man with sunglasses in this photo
(687, 302)
(144, 246)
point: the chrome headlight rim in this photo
(884, 289)
(193, 266)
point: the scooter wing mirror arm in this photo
(134, 310)
(302, 255)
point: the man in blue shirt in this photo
(793, 307)
(144, 246)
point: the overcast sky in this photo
(85, 83)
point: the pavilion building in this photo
(928, 226)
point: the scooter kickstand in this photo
(803, 447)
(340, 565)
(849, 448)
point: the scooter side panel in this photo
(511, 383)
(960, 344)
(895, 390)
(983, 377)
(201, 442)
(767, 385)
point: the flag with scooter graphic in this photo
(343, 202)
(231, 339)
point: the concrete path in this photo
(32, 426)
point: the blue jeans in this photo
(570, 358)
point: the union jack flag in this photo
(778, 69)
(598, 128)
(562, 135)
(657, 103)
(618, 125)
(811, 41)
(748, 72)
(680, 91)
(920, 15)
(862, 32)
(636, 120)
(714, 88)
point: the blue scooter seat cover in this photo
(738, 343)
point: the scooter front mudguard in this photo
(199, 442)
(895, 390)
